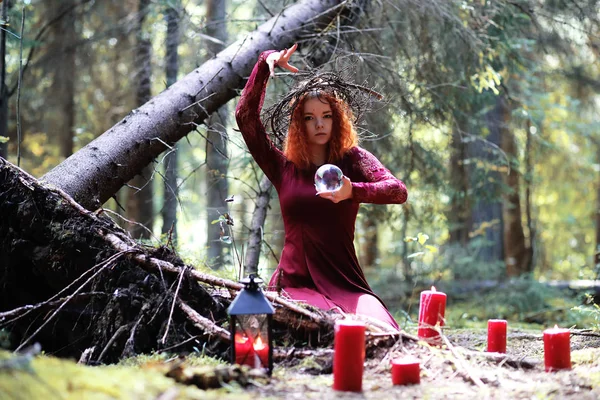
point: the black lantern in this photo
(251, 317)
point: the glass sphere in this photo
(328, 177)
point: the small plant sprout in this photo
(425, 249)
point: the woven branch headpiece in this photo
(357, 97)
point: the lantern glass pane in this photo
(252, 340)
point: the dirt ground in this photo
(461, 371)
(458, 370)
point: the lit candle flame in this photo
(433, 289)
(555, 326)
(240, 339)
(258, 344)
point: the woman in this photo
(318, 263)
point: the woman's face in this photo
(318, 121)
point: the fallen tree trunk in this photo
(96, 172)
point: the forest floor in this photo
(458, 370)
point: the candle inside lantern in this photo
(497, 335)
(432, 309)
(406, 371)
(557, 349)
(348, 355)
(262, 352)
(243, 350)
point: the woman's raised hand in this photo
(282, 58)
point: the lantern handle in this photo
(252, 282)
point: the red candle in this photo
(497, 335)
(262, 351)
(348, 355)
(431, 312)
(243, 350)
(557, 349)
(406, 371)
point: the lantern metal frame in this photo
(252, 301)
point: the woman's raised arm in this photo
(270, 159)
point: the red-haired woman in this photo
(318, 263)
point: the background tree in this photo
(3, 87)
(140, 202)
(171, 186)
(217, 158)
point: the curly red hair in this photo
(343, 134)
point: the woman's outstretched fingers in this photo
(281, 58)
(283, 61)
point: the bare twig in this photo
(461, 364)
(20, 312)
(108, 263)
(173, 305)
(114, 337)
(206, 325)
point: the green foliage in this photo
(450, 61)
(425, 249)
(466, 262)
(590, 310)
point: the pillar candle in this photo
(243, 350)
(557, 349)
(406, 371)
(348, 355)
(262, 351)
(432, 309)
(497, 335)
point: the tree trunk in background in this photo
(93, 174)
(169, 209)
(517, 255)
(216, 146)
(487, 207)
(459, 215)
(597, 249)
(528, 181)
(255, 238)
(140, 208)
(459, 218)
(3, 88)
(64, 71)
(369, 245)
(368, 249)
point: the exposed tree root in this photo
(74, 281)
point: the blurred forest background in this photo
(491, 117)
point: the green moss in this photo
(49, 377)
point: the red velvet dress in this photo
(318, 262)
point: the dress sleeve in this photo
(268, 157)
(378, 184)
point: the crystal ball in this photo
(328, 177)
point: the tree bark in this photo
(597, 249)
(517, 255)
(487, 206)
(93, 174)
(459, 218)
(171, 190)
(216, 143)
(62, 120)
(3, 88)
(255, 238)
(140, 200)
